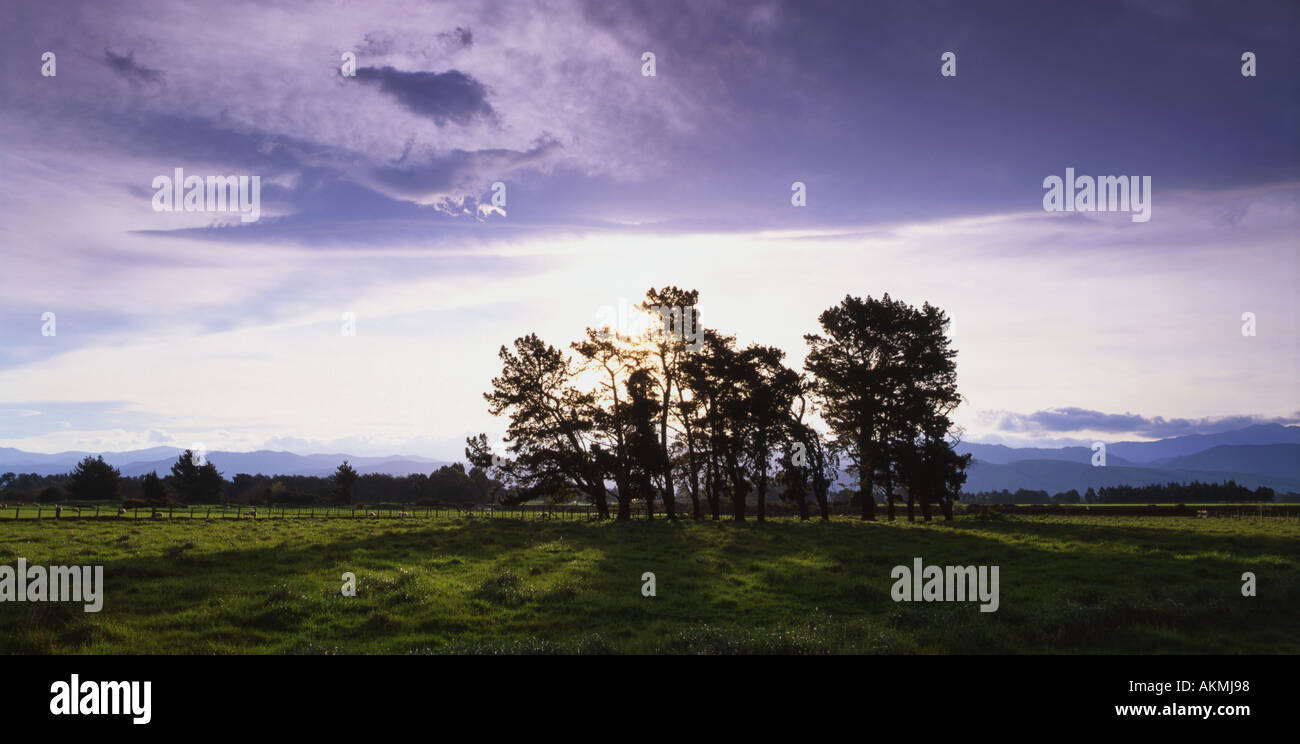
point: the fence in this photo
(580, 512)
(1238, 510)
(46, 511)
(563, 512)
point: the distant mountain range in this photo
(1260, 455)
(266, 462)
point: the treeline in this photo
(1029, 496)
(633, 417)
(195, 481)
(1162, 493)
(449, 484)
(1183, 493)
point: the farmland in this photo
(459, 584)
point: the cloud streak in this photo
(133, 73)
(1071, 419)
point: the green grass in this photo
(460, 585)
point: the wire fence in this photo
(581, 512)
(562, 512)
(206, 512)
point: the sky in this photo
(376, 199)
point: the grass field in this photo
(460, 585)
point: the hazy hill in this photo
(1055, 476)
(1265, 454)
(266, 462)
(1280, 460)
(1000, 454)
(1162, 449)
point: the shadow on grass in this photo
(508, 586)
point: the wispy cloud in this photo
(374, 193)
(129, 70)
(1068, 420)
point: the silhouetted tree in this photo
(676, 306)
(711, 376)
(816, 473)
(344, 479)
(195, 483)
(95, 480)
(769, 389)
(853, 365)
(886, 377)
(152, 489)
(613, 358)
(551, 435)
(644, 454)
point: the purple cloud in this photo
(440, 96)
(1071, 419)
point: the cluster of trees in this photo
(449, 484)
(189, 482)
(1030, 496)
(33, 487)
(1183, 493)
(641, 417)
(93, 479)
(1162, 493)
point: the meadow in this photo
(459, 584)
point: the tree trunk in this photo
(946, 505)
(819, 491)
(692, 480)
(868, 499)
(670, 496)
(762, 498)
(715, 499)
(803, 509)
(602, 503)
(738, 494)
(866, 473)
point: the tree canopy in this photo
(638, 417)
